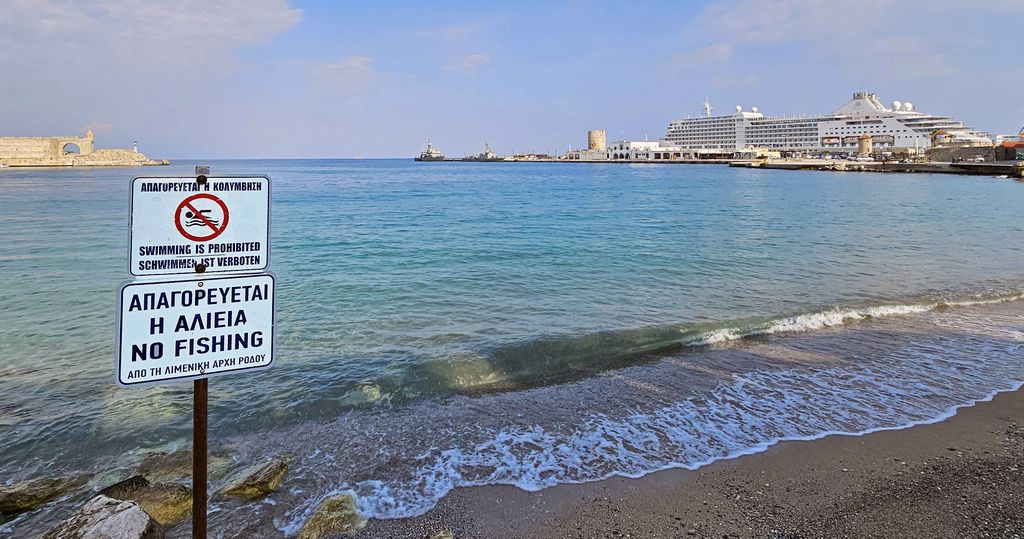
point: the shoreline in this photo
(958, 476)
(564, 510)
(991, 169)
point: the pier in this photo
(1004, 168)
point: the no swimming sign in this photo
(221, 224)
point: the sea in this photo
(444, 325)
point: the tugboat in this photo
(487, 155)
(432, 154)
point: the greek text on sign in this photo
(188, 329)
(178, 223)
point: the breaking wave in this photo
(838, 317)
(887, 375)
(560, 359)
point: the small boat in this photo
(431, 154)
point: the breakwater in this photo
(67, 151)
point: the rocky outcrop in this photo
(106, 518)
(167, 503)
(123, 489)
(258, 480)
(335, 516)
(175, 465)
(28, 495)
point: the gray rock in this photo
(30, 494)
(335, 516)
(176, 465)
(107, 518)
(167, 503)
(258, 480)
(123, 490)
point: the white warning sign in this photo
(178, 223)
(194, 328)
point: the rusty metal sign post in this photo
(200, 414)
(199, 455)
(216, 315)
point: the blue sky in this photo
(273, 78)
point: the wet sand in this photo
(960, 477)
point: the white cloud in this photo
(905, 57)
(890, 39)
(137, 34)
(711, 54)
(458, 32)
(774, 21)
(735, 81)
(470, 63)
(97, 127)
(349, 76)
(146, 68)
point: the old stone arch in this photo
(63, 146)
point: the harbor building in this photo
(1010, 147)
(628, 150)
(899, 126)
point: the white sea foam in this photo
(752, 412)
(915, 380)
(836, 317)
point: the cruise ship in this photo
(899, 126)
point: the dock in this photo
(999, 168)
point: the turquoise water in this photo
(401, 283)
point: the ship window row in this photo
(705, 130)
(702, 138)
(874, 131)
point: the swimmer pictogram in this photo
(204, 214)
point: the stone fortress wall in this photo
(65, 152)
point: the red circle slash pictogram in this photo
(204, 212)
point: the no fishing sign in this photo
(194, 328)
(177, 224)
